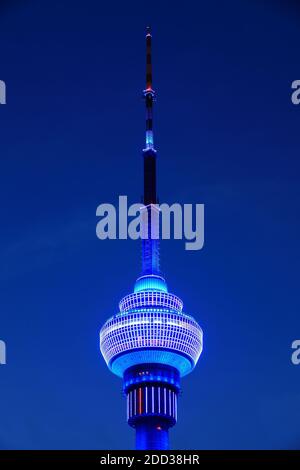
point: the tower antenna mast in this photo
(150, 243)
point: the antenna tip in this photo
(148, 31)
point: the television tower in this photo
(151, 343)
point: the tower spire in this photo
(150, 246)
(148, 59)
(149, 93)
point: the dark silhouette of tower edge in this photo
(151, 343)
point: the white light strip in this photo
(158, 399)
(135, 401)
(152, 409)
(173, 411)
(165, 401)
(130, 404)
(170, 409)
(146, 397)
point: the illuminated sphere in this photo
(151, 328)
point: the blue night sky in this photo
(71, 138)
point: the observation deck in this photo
(151, 329)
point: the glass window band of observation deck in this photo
(150, 299)
(169, 331)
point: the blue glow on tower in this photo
(151, 343)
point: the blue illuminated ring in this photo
(150, 299)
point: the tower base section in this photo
(152, 434)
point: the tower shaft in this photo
(151, 436)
